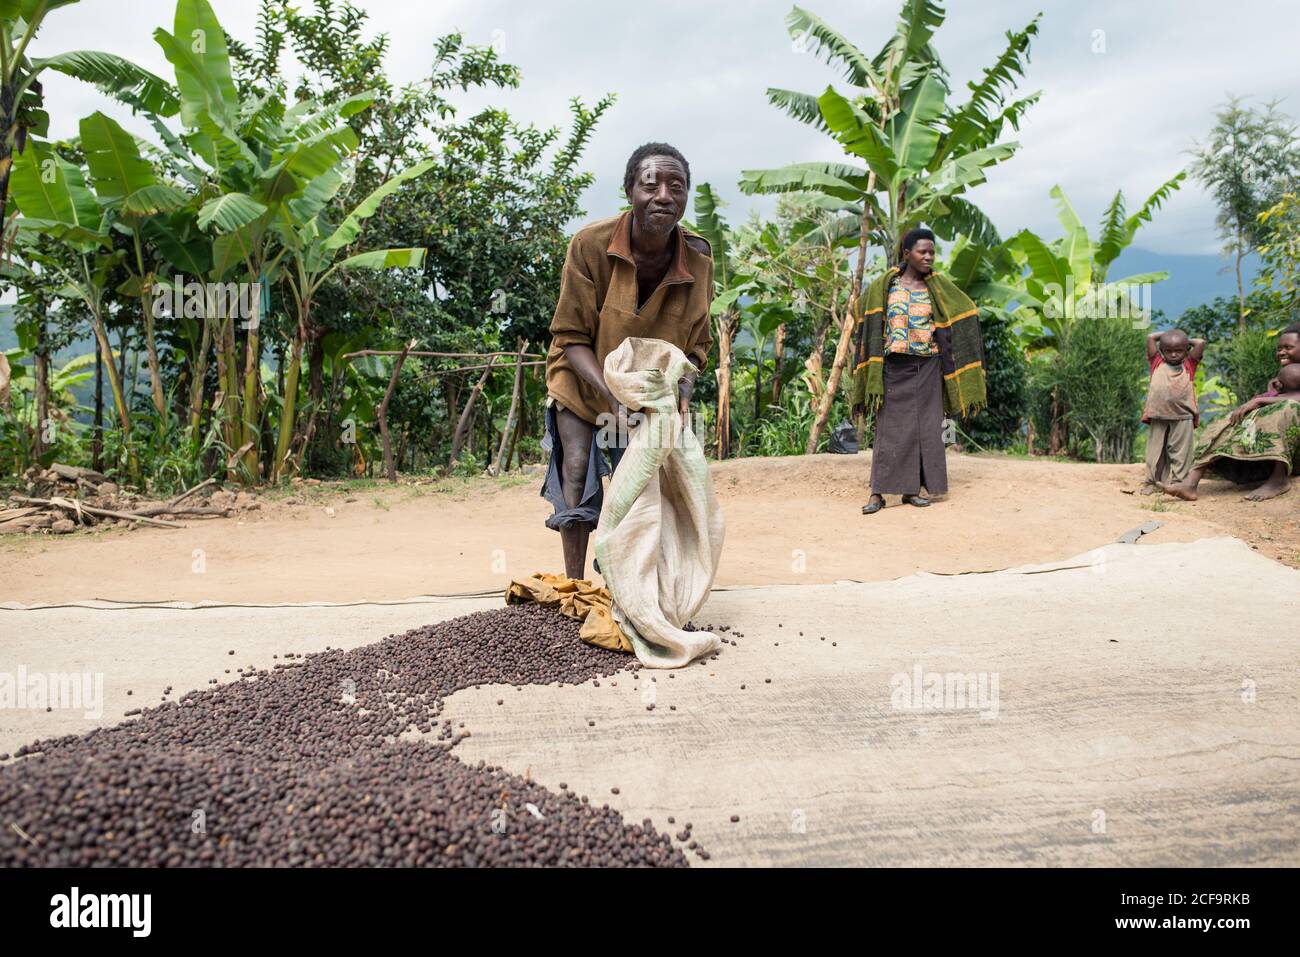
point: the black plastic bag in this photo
(844, 439)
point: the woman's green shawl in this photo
(956, 330)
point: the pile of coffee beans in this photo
(337, 759)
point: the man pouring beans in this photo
(636, 274)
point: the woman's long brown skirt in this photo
(908, 449)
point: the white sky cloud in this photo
(694, 74)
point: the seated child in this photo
(1171, 413)
(1285, 386)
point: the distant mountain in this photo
(9, 339)
(1193, 280)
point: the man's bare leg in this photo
(1276, 484)
(1186, 489)
(576, 438)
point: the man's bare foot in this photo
(1179, 491)
(1270, 489)
(1148, 488)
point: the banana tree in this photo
(313, 247)
(125, 181)
(762, 320)
(1055, 284)
(921, 153)
(52, 195)
(256, 164)
(800, 260)
(21, 103)
(34, 406)
(724, 311)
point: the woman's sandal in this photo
(872, 507)
(920, 501)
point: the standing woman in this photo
(919, 358)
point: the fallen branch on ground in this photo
(75, 506)
(187, 494)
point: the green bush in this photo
(1102, 374)
(1042, 375)
(468, 465)
(1252, 362)
(999, 425)
(783, 429)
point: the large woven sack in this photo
(660, 532)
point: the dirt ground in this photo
(1123, 736)
(1099, 732)
(794, 520)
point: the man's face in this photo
(658, 194)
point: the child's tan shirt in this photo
(1172, 392)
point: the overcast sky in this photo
(1120, 107)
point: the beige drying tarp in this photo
(1145, 710)
(1135, 706)
(660, 533)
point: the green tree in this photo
(492, 212)
(1250, 158)
(1279, 248)
(22, 105)
(1069, 278)
(1059, 285)
(921, 153)
(55, 201)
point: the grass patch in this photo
(1160, 505)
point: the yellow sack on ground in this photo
(577, 598)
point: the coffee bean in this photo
(290, 773)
